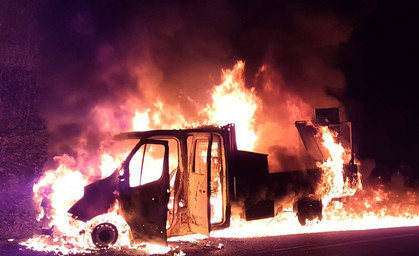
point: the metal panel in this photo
(144, 207)
(199, 187)
(308, 136)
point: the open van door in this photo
(199, 183)
(144, 191)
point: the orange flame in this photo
(231, 102)
(333, 184)
(370, 208)
(57, 191)
(62, 187)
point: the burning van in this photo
(178, 182)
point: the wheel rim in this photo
(104, 234)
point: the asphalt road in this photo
(382, 242)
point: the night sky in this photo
(379, 62)
(362, 53)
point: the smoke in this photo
(101, 62)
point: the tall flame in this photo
(232, 102)
(57, 191)
(333, 184)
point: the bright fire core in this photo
(366, 205)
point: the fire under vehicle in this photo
(178, 182)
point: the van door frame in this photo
(144, 207)
(199, 189)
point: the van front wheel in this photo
(104, 234)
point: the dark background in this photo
(379, 62)
(49, 70)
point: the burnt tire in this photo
(104, 234)
(302, 220)
(309, 208)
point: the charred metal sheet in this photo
(145, 210)
(303, 183)
(327, 115)
(308, 136)
(309, 208)
(144, 207)
(227, 129)
(262, 209)
(199, 184)
(350, 171)
(250, 172)
(98, 198)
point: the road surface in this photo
(380, 242)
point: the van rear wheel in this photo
(308, 208)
